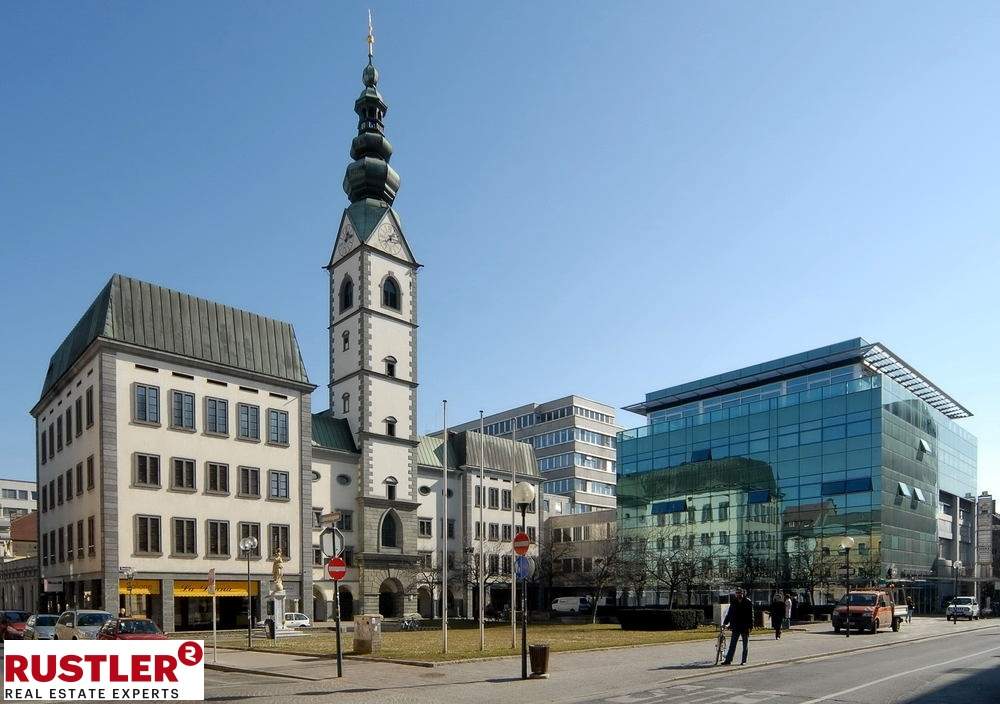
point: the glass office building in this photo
(755, 476)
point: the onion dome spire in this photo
(369, 175)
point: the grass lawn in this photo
(463, 641)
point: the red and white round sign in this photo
(336, 568)
(521, 543)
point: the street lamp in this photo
(846, 543)
(248, 545)
(128, 574)
(524, 494)
(956, 566)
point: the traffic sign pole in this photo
(337, 569)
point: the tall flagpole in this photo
(482, 531)
(444, 535)
(513, 531)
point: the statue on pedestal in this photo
(277, 572)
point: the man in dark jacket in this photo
(739, 618)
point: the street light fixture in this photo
(524, 494)
(956, 566)
(248, 545)
(846, 543)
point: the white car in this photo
(297, 620)
(962, 607)
(571, 605)
(80, 625)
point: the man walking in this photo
(739, 618)
(909, 609)
(777, 614)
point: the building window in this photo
(52, 441)
(390, 366)
(494, 564)
(79, 478)
(479, 530)
(45, 548)
(723, 537)
(79, 539)
(147, 404)
(277, 427)
(451, 528)
(390, 293)
(217, 416)
(59, 439)
(90, 406)
(506, 499)
(425, 526)
(59, 489)
(250, 482)
(69, 542)
(277, 484)
(318, 560)
(184, 536)
(390, 427)
(389, 535)
(218, 538)
(346, 522)
(390, 488)
(183, 475)
(182, 410)
(217, 481)
(507, 532)
(479, 496)
(532, 534)
(494, 531)
(346, 294)
(494, 497)
(724, 511)
(90, 473)
(250, 530)
(249, 421)
(91, 544)
(62, 543)
(43, 453)
(147, 470)
(279, 540)
(345, 403)
(69, 425)
(147, 535)
(69, 484)
(45, 503)
(79, 416)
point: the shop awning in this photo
(199, 587)
(140, 587)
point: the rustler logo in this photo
(103, 670)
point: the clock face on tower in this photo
(346, 242)
(389, 239)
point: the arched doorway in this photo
(390, 598)
(425, 602)
(320, 609)
(346, 604)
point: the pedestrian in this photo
(788, 611)
(739, 618)
(777, 614)
(909, 609)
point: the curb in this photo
(245, 671)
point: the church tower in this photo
(373, 356)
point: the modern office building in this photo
(17, 497)
(574, 440)
(756, 475)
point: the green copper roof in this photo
(430, 452)
(332, 433)
(464, 450)
(369, 174)
(365, 215)
(146, 315)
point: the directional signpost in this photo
(337, 569)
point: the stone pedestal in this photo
(367, 634)
(277, 600)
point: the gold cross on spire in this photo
(371, 36)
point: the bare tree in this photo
(810, 567)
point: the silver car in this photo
(40, 627)
(82, 624)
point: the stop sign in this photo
(521, 543)
(336, 568)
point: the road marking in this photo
(696, 694)
(897, 675)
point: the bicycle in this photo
(720, 644)
(409, 624)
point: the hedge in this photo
(659, 619)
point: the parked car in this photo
(12, 624)
(868, 610)
(130, 629)
(82, 624)
(40, 627)
(571, 605)
(962, 607)
(297, 620)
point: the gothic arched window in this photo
(389, 535)
(346, 294)
(390, 293)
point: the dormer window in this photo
(390, 293)
(390, 427)
(390, 366)
(390, 488)
(346, 294)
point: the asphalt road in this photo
(961, 669)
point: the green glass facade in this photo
(759, 484)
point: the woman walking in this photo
(777, 613)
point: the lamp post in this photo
(128, 574)
(248, 545)
(846, 543)
(956, 566)
(524, 494)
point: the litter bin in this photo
(539, 655)
(269, 627)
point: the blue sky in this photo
(607, 199)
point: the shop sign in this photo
(200, 587)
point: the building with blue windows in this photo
(756, 475)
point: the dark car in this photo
(12, 624)
(130, 629)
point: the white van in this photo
(571, 605)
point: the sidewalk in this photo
(595, 671)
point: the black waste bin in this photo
(269, 627)
(539, 655)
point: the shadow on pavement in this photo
(980, 688)
(687, 666)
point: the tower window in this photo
(347, 340)
(389, 537)
(345, 403)
(390, 366)
(390, 293)
(390, 489)
(390, 427)
(346, 294)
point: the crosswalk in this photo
(695, 694)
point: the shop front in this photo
(140, 598)
(193, 603)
